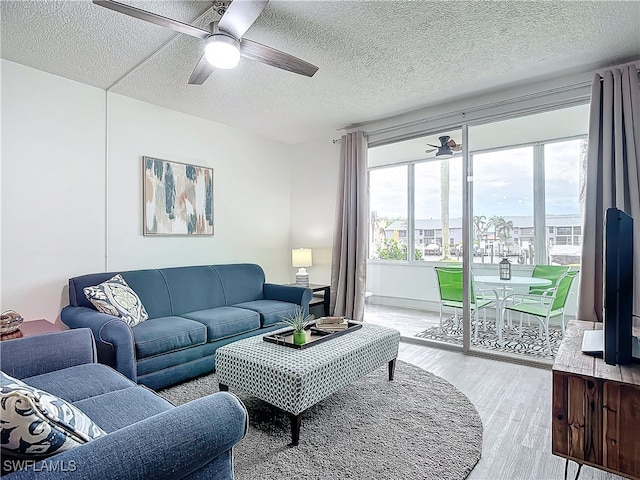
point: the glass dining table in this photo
(506, 287)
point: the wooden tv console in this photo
(596, 408)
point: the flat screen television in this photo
(618, 287)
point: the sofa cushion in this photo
(36, 424)
(115, 297)
(271, 311)
(119, 409)
(224, 322)
(151, 287)
(167, 334)
(242, 282)
(193, 288)
(80, 381)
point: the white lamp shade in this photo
(301, 257)
(222, 51)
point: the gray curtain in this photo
(349, 261)
(612, 179)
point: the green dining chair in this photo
(450, 288)
(549, 272)
(544, 307)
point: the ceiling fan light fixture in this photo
(222, 51)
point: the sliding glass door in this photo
(450, 209)
(526, 220)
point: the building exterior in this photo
(559, 230)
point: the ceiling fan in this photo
(447, 146)
(224, 43)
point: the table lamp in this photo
(301, 257)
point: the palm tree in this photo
(444, 206)
(480, 225)
(506, 227)
(494, 222)
(497, 222)
(501, 228)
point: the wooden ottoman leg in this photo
(296, 421)
(392, 369)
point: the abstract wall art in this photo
(178, 198)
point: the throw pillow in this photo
(36, 424)
(115, 297)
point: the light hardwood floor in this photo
(514, 402)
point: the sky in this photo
(502, 183)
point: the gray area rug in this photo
(530, 343)
(418, 426)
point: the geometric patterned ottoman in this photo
(294, 380)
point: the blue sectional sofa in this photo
(192, 311)
(146, 437)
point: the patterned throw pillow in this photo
(36, 424)
(117, 298)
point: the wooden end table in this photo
(33, 327)
(321, 296)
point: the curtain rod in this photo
(338, 140)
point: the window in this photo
(388, 213)
(562, 170)
(438, 195)
(416, 206)
(503, 202)
(525, 188)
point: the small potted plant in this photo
(298, 321)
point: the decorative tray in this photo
(315, 336)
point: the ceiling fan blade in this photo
(174, 25)
(430, 150)
(202, 71)
(434, 146)
(256, 51)
(457, 148)
(240, 15)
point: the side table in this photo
(321, 296)
(33, 327)
(595, 415)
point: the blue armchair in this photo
(147, 437)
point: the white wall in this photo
(54, 222)
(52, 188)
(314, 170)
(251, 191)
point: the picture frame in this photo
(177, 198)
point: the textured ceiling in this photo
(376, 58)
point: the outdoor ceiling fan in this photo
(447, 146)
(224, 44)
